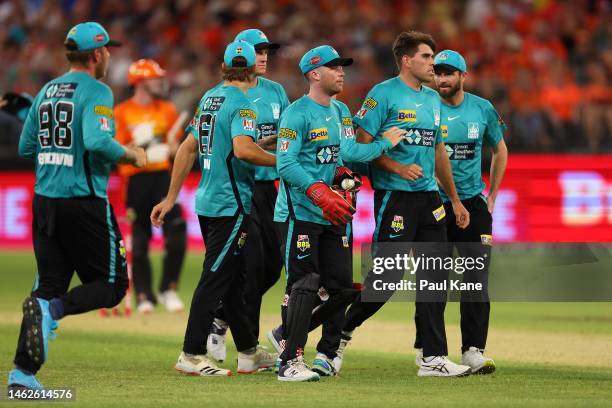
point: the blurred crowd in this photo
(546, 65)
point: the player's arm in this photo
(28, 140)
(494, 137)
(409, 172)
(183, 163)
(268, 143)
(444, 175)
(99, 127)
(246, 149)
(244, 132)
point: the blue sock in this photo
(56, 308)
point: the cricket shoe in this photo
(260, 359)
(345, 340)
(275, 337)
(323, 365)
(441, 366)
(145, 307)
(171, 301)
(479, 364)
(18, 379)
(215, 343)
(418, 357)
(199, 365)
(39, 327)
(297, 370)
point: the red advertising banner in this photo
(544, 198)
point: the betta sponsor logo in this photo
(404, 115)
(315, 135)
(439, 213)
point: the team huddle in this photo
(421, 149)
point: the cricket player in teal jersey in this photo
(468, 123)
(223, 132)
(315, 135)
(407, 204)
(69, 132)
(263, 247)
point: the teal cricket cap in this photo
(257, 39)
(450, 59)
(88, 36)
(323, 55)
(239, 49)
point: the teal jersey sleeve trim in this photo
(228, 244)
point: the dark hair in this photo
(408, 42)
(76, 57)
(241, 74)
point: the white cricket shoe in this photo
(145, 307)
(478, 363)
(297, 370)
(171, 301)
(345, 340)
(418, 357)
(261, 359)
(324, 366)
(199, 365)
(215, 343)
(441, 366)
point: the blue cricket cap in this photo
(323, 55)
(450, 59)
(239, 49)
(257, 39)
(88, 36)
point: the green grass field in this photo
(547, 354)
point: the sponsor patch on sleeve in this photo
(370, 103)
(361, 113)
(103, 110)
(348, 132)
(347, 121)
(286, 133)
(248, 113)
(248, 124)
(439, 213)
(104, 124)
(284, 145)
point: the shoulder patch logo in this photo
(286, 133)
(370, 103)
(248, 113)
(347, 122)
(103, 110)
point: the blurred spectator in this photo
(545, 64)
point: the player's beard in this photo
(449, 92)
(101, 69)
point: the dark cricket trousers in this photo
(82, 235)
(222, 279)
(475, 307)
(315, 249)
(407, 217)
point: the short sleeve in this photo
(495, 126)
(244, 121)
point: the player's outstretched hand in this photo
(395, 135)
(462, 216)
(141, 157)
(335, 208)
(159, 212)
(410, 172)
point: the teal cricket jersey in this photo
(270, 101)
(225, 188)
(393, 103)
(69, 132)
(313, 140)
(464, 128)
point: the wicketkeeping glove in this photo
(344, 173)
(335, 208)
